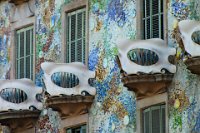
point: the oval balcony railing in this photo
(69, 87)
(187, 29)
(67, 78)
(190, 34)
(135, 55)
(19, 104)
(145, 66)
(19, 94)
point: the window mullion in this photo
(150, 119)
(151, 23)
(76, 34)
(25, 53)
(159, 18)
(69, 48)
(83, 36)
(145, 19)
(30, 53)
(18, 63)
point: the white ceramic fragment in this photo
(187, 28)
(156, 45)
(76, 68)
(126, 120)
(25, 85)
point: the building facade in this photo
(94, 32)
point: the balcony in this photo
(190, 34)
(145, 66)
(20, 107)
(67, 87)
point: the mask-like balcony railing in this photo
(68, 84)
(145, 66)
(19, 103)
(190, 34)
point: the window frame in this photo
(148, 102)
(75, 12)
(24, 29)
(150, 109)
(139, 25)
(17, 25)
(70, 7)
(75, 121)
(77, 126)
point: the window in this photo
(24, 53)
(154, 119)
(80, 129)
(153, 19)
(76, 28)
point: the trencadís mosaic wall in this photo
(5, 44)
(109, 22)
(184, 109)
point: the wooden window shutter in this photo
(24, 53)
(156, 123)
(154, 119)
(76, 25)
(146, 121)
(153, 19)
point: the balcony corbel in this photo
(191, 45)
(68, 88)
(145, 66)
(20, 107)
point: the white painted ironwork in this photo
(28, 87)
(76, 68)
(187, 28)
(156, 45)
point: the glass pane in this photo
(146, 121)
(21, 69)
(155, 26)
(21, 44)
(148, 8)
(79, 25)
(73, 27)
(156, 120)
(28, 65)
(148, 29)
(155, 7)
(28, 41)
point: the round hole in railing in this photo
(196, 37)
(13, 95)
(143, 57)
(65, 79)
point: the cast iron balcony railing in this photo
(67, 84)
(145, 66)
(190, 34)
(19, 103)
